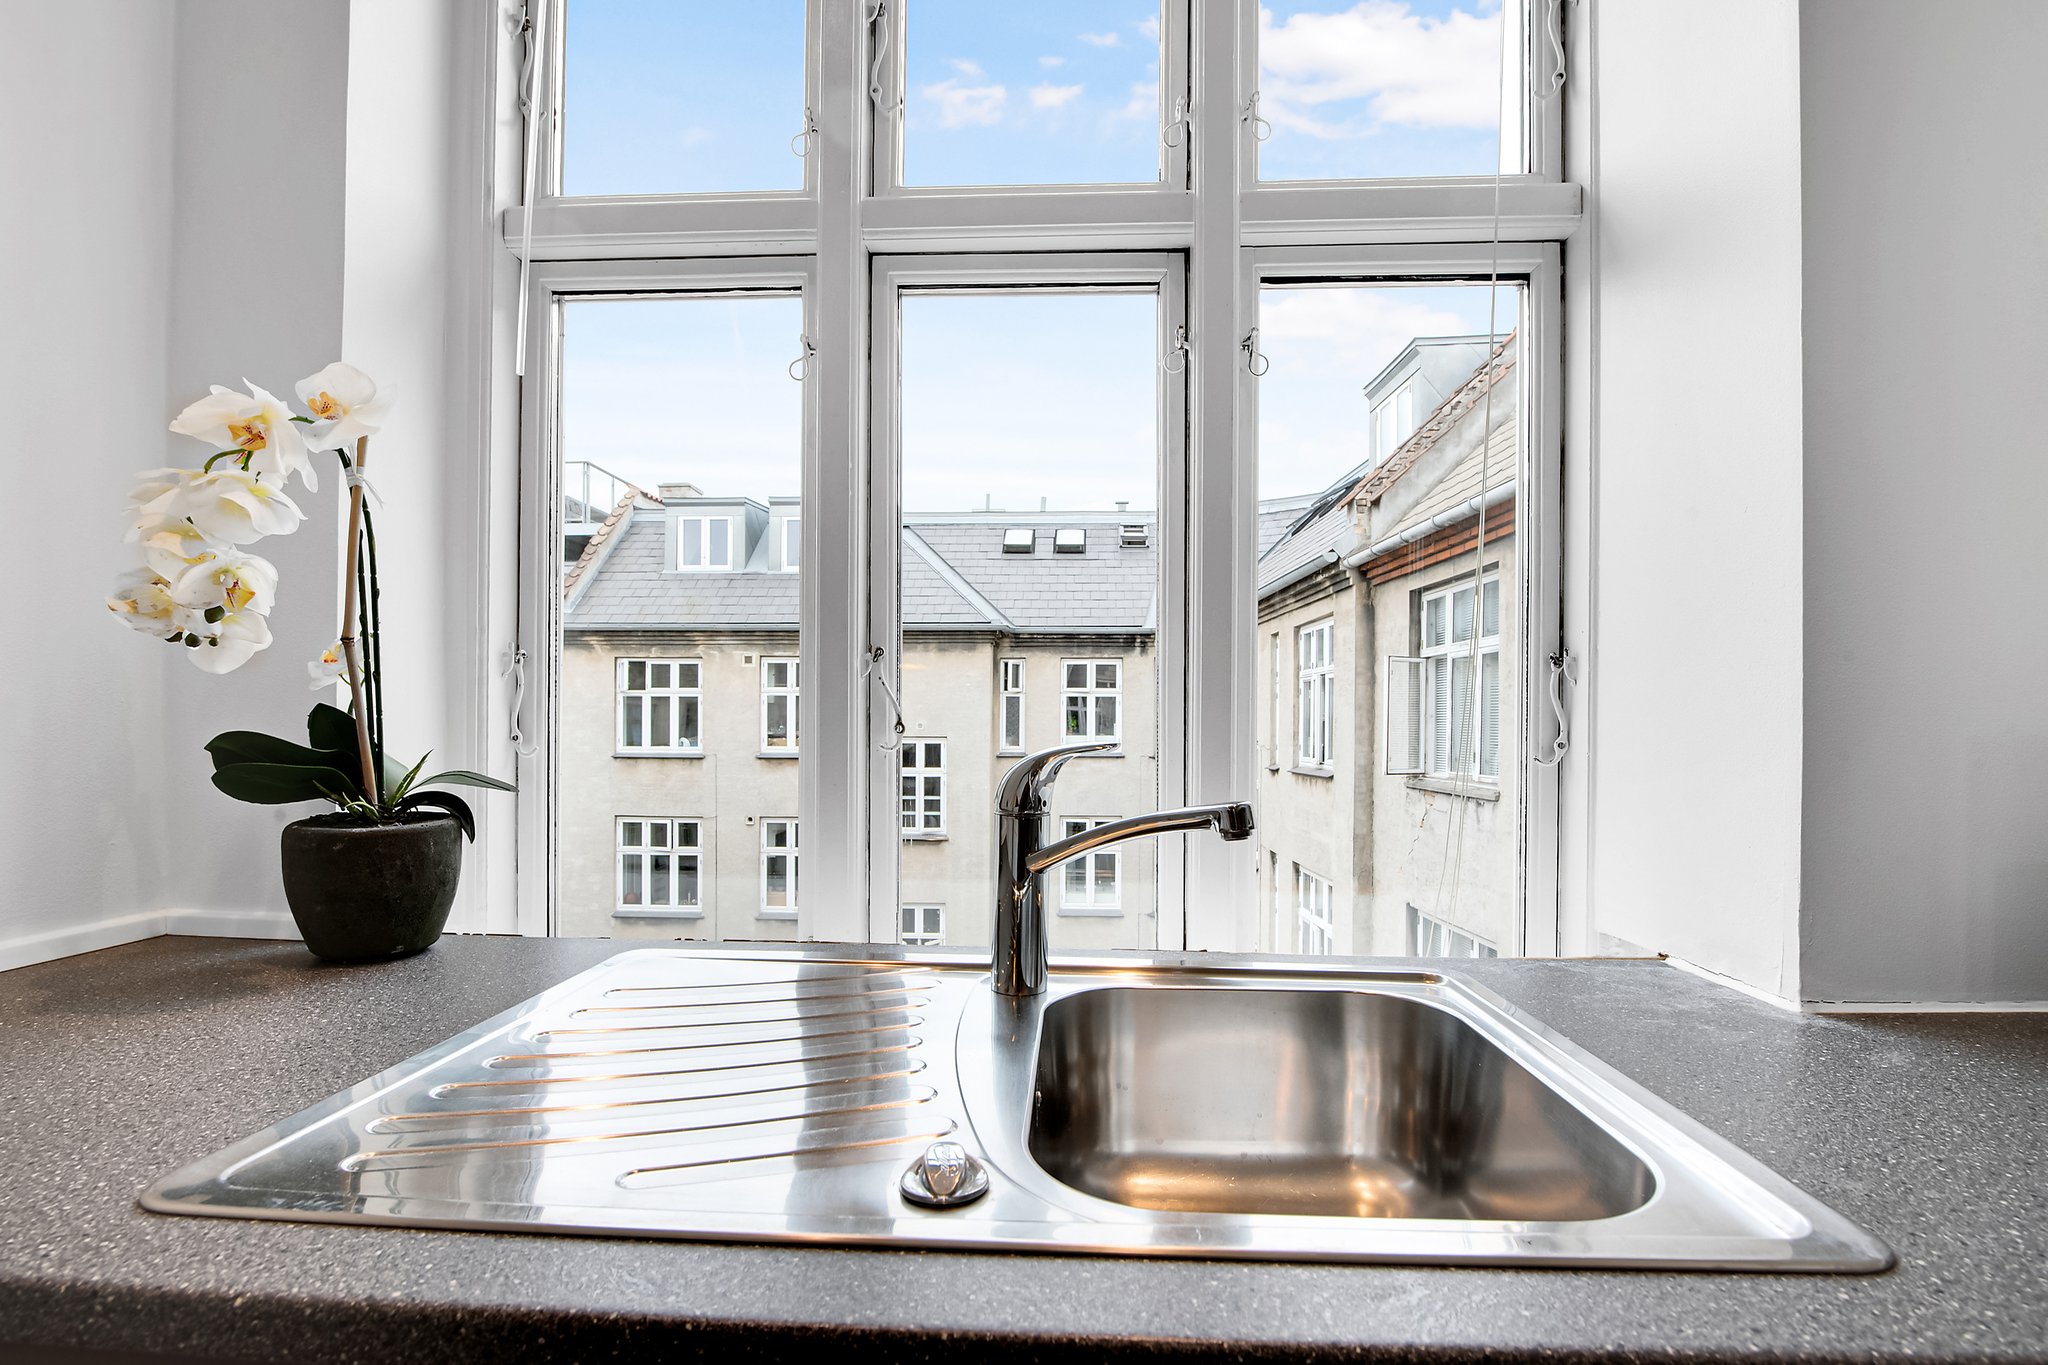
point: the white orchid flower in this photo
(168, 540)
(345, 405)
(234, 640)
(142, 601)
(258, 425)
(330, 668)
(227, 577)
(226, 505)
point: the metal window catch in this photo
(1254, 360)
(1250, 114)
(1177, 352)
(800, 145)
(1175, 133)
(1560, 673)
(800, 368)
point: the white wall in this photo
(1683, 456)
(1925, 868)
(85, 245)
(255, 290)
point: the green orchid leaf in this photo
(279, 784)
(463, 777)
(248, 746)
(447, 801)
(405, 781)
(330, 727)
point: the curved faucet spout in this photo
(1232, 820)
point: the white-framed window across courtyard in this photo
(922, 926)
(922, 788)
(1091, 883)
(660, 707)
(779, 869)
(1315, 931)
(779, 706)
(659, 867)
(1091, 698)
(1316, 674)
(862, 226)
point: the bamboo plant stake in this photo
(358, 683)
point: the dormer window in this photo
(792, 544)
(704, 543)
(1069, 540)
(1393, 421)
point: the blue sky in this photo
(1005, 397)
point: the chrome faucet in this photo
(1023, 857)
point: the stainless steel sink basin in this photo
(1273, 1113)
(1314, 1103)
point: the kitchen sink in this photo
(1352, 1103)
(1274, 1112)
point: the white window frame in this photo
(822, 240)
(1429, 936)
(792, 544)
(705, 522)
(1451, 651)
(1011, 677)
(1093, 861)
(1401, 418)
(792, 692)
(911, 822)
(673, 829)
(1315, 914)
(1089, 692)
(930, 922)
(1316, 696)
(789, 851)
(676, 695)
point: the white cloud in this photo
(1100, 39)
(1407, 69)
(971, 70)
(1052, 96)
(1143, 104)
(966, 106)
(1052, 61)
(1149, 27)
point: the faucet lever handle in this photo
(1023, 788)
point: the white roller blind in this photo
(1404, 715)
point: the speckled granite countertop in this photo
(118, 1066)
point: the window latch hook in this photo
(1255, 360)
(1175, 361)
(800, 368)
(1250, 114)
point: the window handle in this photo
(871, 668)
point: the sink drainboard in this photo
(1278, 1113)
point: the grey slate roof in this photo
(955, 577)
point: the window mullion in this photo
(834, 782)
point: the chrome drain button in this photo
(946, 1176)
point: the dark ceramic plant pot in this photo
(365, 893)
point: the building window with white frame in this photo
(1317, 675)
(1461, 723)
(922, 811)
(1393, 421)
(1091, 883)
(704, 543)
(792, 544)
(1012, 685)
(778, 706)
(778, 869)
(660, 706)
(1091, 698)
(1315, 924)
(659, 868)
(1429, 936)
(921, 926)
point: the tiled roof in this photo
(955, 576)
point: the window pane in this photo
(681, 411)
(1053, 92)
(983, 453)
(1389, 88)
(1364, 835)
(682, 96)
(630, 890)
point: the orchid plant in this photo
(200, 588)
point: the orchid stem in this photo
(375, 647)
(373, 789)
